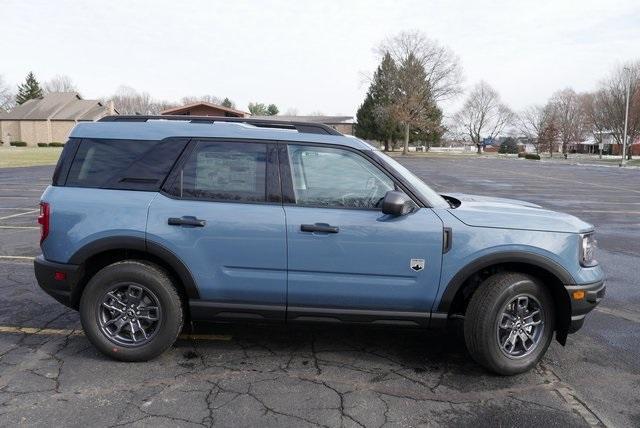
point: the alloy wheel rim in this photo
(129, 314)
(520, 326)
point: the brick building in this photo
(50, 118)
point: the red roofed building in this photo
(205, 109)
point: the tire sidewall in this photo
(501, 362)
(133, 272)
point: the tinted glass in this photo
(327, 177)
(224, 172)
(123, 164)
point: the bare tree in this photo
(594, 114)
(569, 116)
(612, 101)
(7, 97)
(60, 83)
(533, 123)
(129, 101)
(411, 103)
(483, 114)
(441, 66)
(201, 99)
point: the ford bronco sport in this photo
(151, 222)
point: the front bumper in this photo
(58, 280)
(593, 293)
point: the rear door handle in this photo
(319, 227)
(186, 221)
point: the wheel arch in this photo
(102, 252)
(552, 275)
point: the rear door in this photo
(222, 216)
(347, 260)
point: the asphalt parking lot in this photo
(336, 376)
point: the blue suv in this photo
(154, 222)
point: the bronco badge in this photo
(416, 264)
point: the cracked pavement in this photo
(273, 375)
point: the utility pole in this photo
(626, 119)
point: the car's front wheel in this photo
(130, 311)
(509, 323)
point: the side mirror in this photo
(397, 203)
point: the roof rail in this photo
(302, 127)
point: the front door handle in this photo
(319, 227)
(186, 221)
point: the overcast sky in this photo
(311, 56)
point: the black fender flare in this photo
(139, 244)
(532, 259)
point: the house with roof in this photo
(343, 124)
(204, 109)
(50, 118)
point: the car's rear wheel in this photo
(131, 311)
(509, 323)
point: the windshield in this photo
(427, 192)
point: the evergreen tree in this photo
(228, 103)
(29, 90)
(272, 110)
(374, 116)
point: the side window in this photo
(336, 178)
(123, 164)
(233, 172)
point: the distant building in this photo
(342, 124)
(50, 118)
(205, 109)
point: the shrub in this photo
(522, 155)
(56, 144)
(43, 145)
(18, 144)
(532, 156)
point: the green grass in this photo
(11, 157)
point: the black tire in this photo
(481, 331)
(158, 284)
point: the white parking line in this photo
(624, 314)
(17, 257)
(19, 227)
(607, 212)
(19, 214)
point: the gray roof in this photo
(328, 120)
(57, 106)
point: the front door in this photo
(222, 219)
(346, 260)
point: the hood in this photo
(486, 211)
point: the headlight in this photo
(588, 250)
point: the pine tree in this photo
(228, 103)
(29, 90)
(272, 110)
(374, 115)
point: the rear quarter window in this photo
(123, 164)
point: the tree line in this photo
(416, 74)
(126, 100)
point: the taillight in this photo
(43, 220)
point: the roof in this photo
(158, 129)
(57, 106)
(178, 110)
(329, 120)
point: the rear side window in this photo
(123, 164)
(235, 172)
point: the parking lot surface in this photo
(332, 376)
